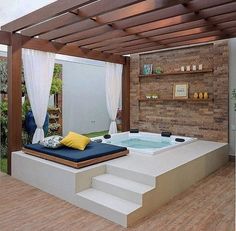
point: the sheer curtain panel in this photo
(38, 73)
(113, 92)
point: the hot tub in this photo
(147, 143)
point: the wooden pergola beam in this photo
(85, 34)
(5, 38)
(14, 98)
(193, 36)
(196, 41)
(44, 13)
(160, 34)
(174, 45)
(59, 48)
(226, 25)
(173, 35)
(112, 16)
(162, 17)
(147, 12)
(175, 28)
(231, 30)
(227, 8)
(155, 8)
(86, 12)
(71, 50)
(111, 41)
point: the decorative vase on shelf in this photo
(155, 96)
(158, 71)
(195, 95)
(148, 96)
(205, 95)
(201, 95)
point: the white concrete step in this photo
(120, 187)
(131, 175)
(106, 205)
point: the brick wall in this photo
(204, 120)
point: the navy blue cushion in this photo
(93, 150)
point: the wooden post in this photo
(14, 98)
(126, 96)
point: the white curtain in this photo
(113, 92)
(38, 73)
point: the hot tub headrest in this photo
(179, 140)
(107, 136)
(166, 134)
(134, 130)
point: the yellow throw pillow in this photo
(76, 141)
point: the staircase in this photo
(116, 194)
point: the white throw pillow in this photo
(51, 142)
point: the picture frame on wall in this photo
(180, 91)
(147, 69)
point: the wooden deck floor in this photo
(206, 206)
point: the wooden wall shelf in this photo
(176, 73)
(171, 99)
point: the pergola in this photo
(107, 30)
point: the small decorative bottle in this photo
(205, 95)
(195, 95)
(201, 95)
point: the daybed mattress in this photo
(94, 153)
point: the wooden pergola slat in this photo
(169, 41)
(173, 35)
(166, 13)
(85, 34)
(44, 13)
(135, 20)
(196, 41)
(193, 36)
(159, 14)
(138, 20)
(136, 9)
(227, 8)
(223, 18)
(111, 41)
(231, 30)
(162, 31)
(123, 44)
(189, 42)
(168, 29)
(226, 25)
(139, 9)
(86, 12)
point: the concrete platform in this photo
(128, 188)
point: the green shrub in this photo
(3, 124)
(234, 97)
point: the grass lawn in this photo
(3, 166)
(94, 134)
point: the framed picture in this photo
(147, 69)
(180, 91)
